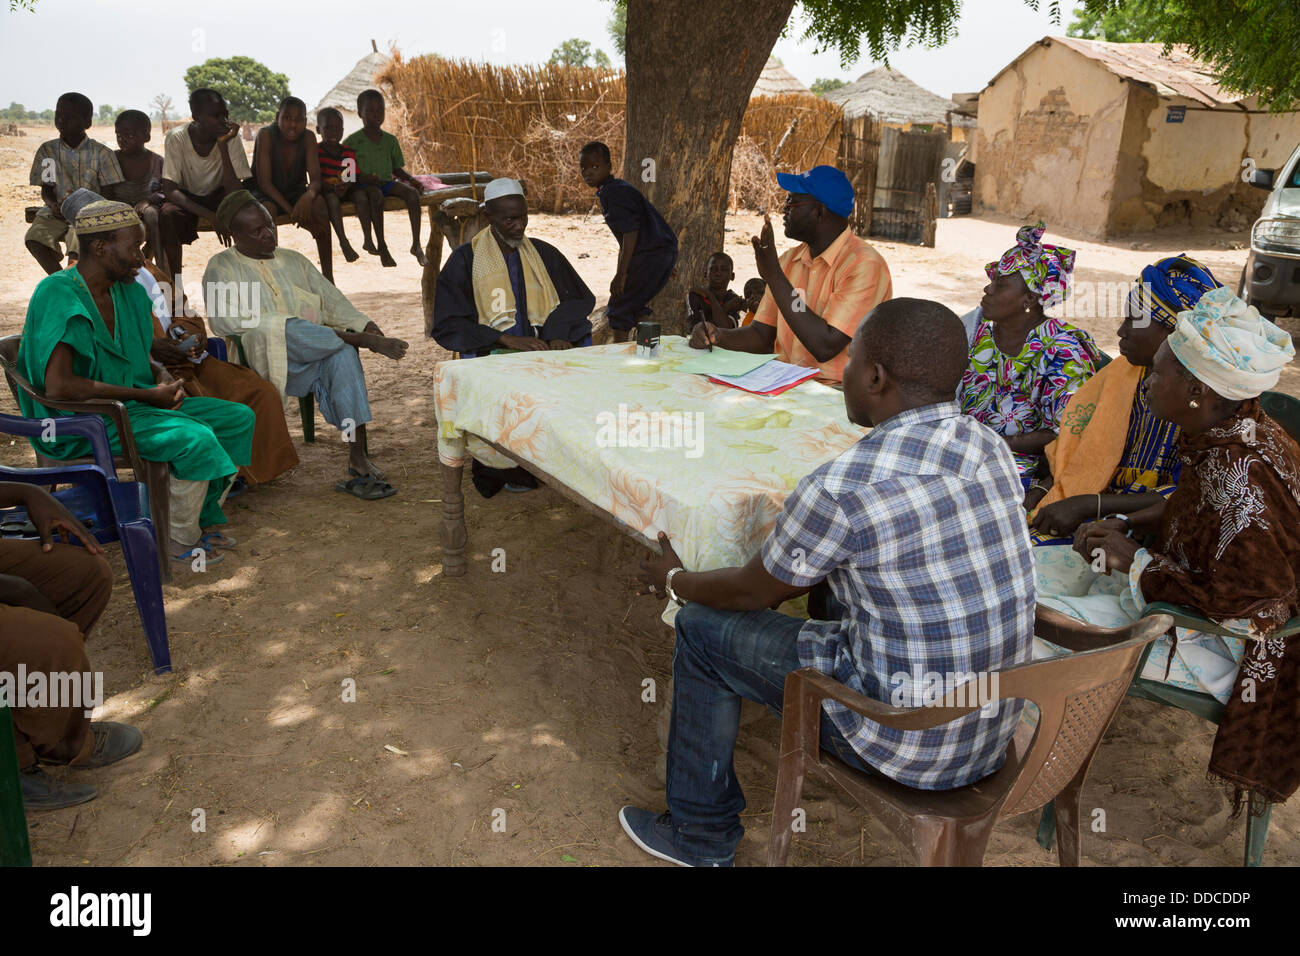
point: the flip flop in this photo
(366, 487)
(376, 473)
(215, 540)
(210, 557)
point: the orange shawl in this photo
(1094, 426)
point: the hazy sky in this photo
(128, 51)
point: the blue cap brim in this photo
(791, 182)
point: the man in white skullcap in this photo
(88, 335)
(502, 290)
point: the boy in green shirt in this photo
(380, 174)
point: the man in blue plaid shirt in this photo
(919, 534)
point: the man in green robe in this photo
(87, 336)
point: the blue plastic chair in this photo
(112, 510)
(155, 474)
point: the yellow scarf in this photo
(494, 297)
(1094, 425)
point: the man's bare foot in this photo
(385, 259)
(349, 254)
(419, 254)
(359, 465)
(393, 348)
(369, 247)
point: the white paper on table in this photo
(768, 377)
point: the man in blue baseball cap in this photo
(819, 291)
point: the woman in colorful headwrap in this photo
(1024, 364)
(1227, 541)
(1113, 453)
(88, 335)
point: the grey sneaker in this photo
(43, 792)
(113, 742)
(656, 835)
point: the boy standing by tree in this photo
(61, 167)
(647, 250)
(715, 303)
(338, 170)
(379, 158)
(142, 170)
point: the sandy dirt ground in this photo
(514, 697)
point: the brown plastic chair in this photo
(1077, 696)
(156, 475)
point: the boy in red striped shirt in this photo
(338, 170)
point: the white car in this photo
(1271, 279)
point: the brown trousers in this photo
(78, 584)
(273, 451)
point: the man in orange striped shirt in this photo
(819, 291)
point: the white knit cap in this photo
(502, 187)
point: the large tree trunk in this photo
(690, 69)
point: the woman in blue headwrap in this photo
(1112, 454)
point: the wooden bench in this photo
(454, 211)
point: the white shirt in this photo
(200, 175)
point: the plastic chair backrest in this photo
(1077, 695)
(88, 427)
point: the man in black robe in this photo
(502, 290)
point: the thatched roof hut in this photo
(893, 99)
(776, 80)
(343, 97)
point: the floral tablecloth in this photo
(590, 417)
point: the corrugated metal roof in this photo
(891, 97)
(1178, 74)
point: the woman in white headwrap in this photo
(1227, 541)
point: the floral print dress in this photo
(1019, 394)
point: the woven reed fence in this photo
(530, 122)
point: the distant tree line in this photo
(17, 113)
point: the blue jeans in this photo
(720, 658)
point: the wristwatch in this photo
(1128, 523)
(668, 586)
